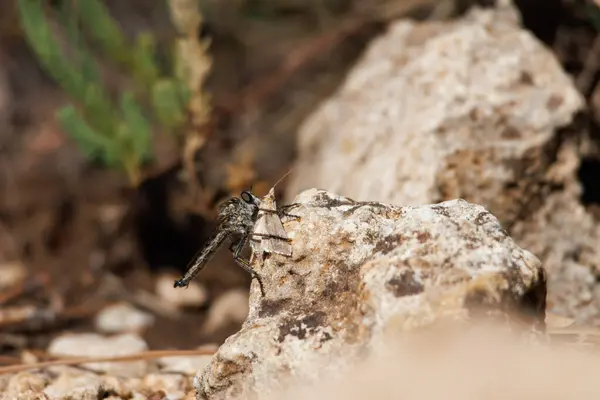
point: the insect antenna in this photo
(284, 176)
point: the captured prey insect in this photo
(268, 235)
(242, 219)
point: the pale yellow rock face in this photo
(441, 110)
(360, 270)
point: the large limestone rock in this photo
(360, 270)
(477, 109)
(442, 110)
(566, 237)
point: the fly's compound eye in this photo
(247, 197)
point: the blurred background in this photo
(123, 123)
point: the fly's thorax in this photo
(236, 215)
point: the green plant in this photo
(593, 14)
(114, 129)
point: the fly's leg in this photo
(202, 258)
(266, 235)
(284, 210)
(293, 205)
(236, 248)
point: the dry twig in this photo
(148, 355)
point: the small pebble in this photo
(23, 383)
(195, 295)
(187, 365)
(172, 385)
(123, 317)
(84, 386)
(111, 217)
(95, 345)
(558, 321)
(11, 273)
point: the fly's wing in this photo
(269, 228)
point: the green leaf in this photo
(184, 91)
(46, 47)
(82, 58)
(43, 43)
(98, 109)
(168, 103)
(102, 27)
(92, 143)
(117, 134)
(145, 67)
(137, 125)
(593, 13)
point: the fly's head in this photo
(238, 214)
(250, 199)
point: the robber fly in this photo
(242, 219)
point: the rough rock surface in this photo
(23, 385)
(566, 238)
(440, 110)
(229, 308)
(477, 109)
(360, 269)
(76, 385)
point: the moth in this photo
(269, 235)
(242, 219)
